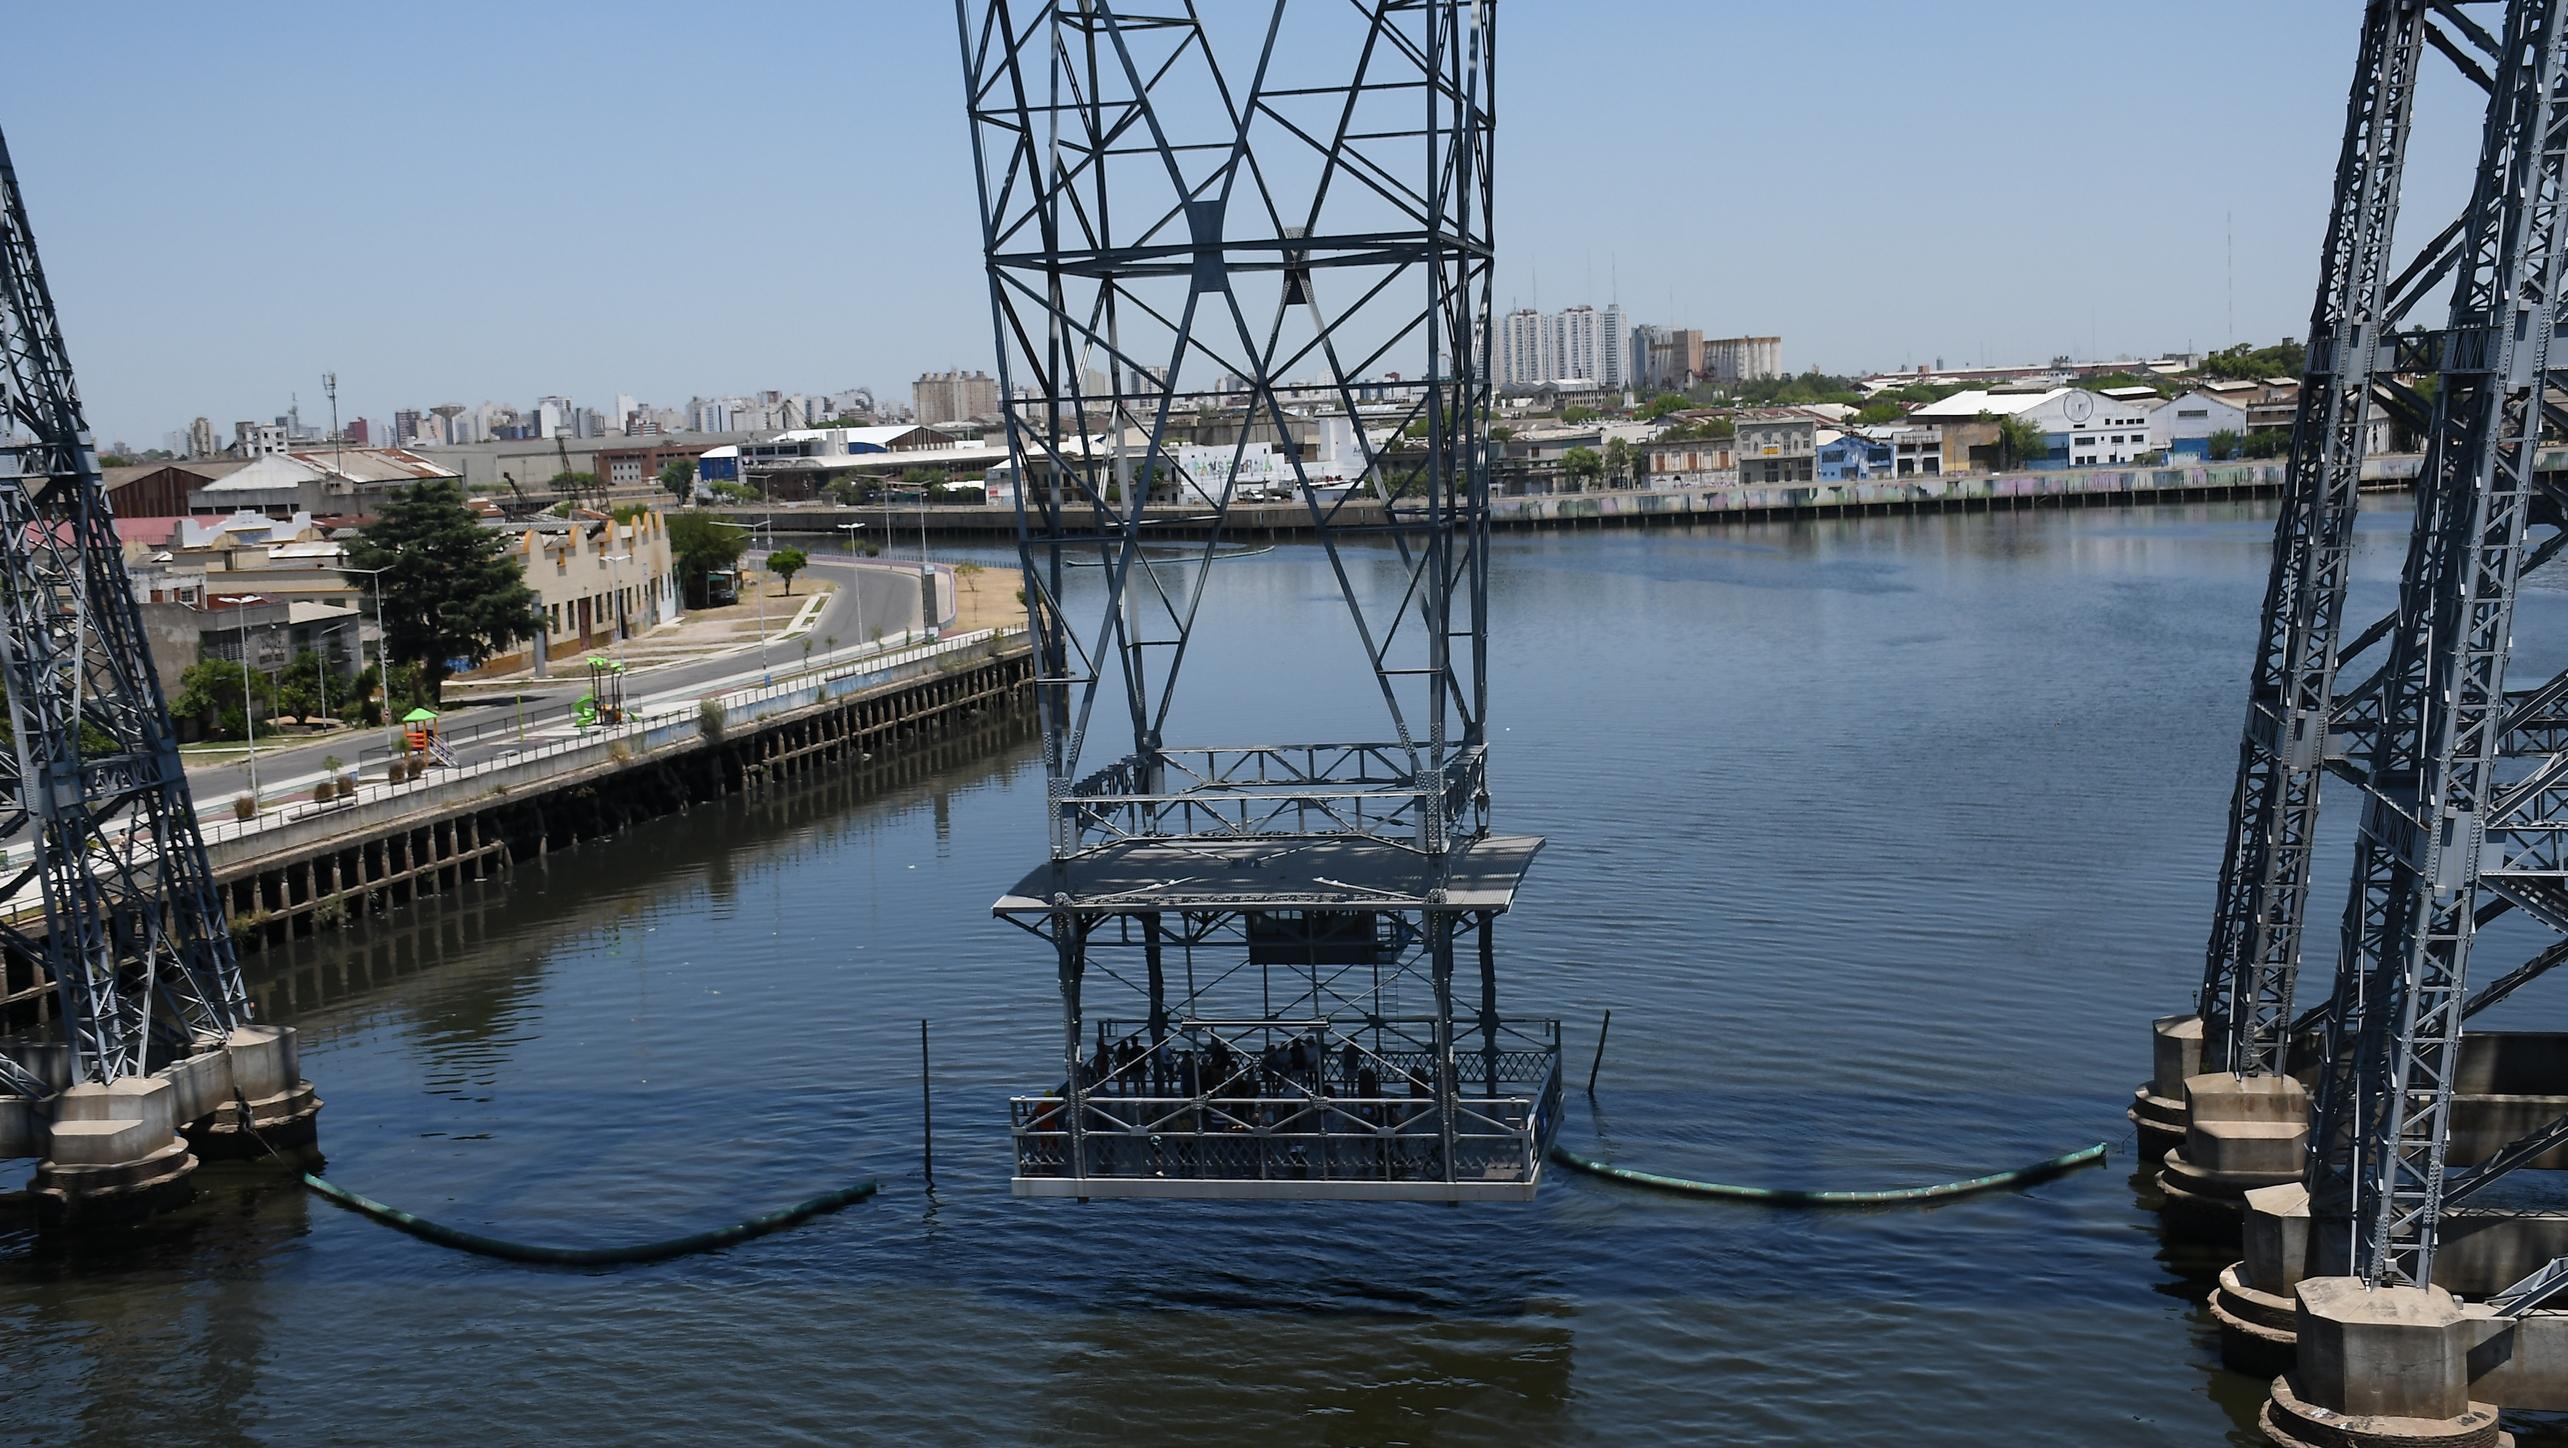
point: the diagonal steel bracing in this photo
(2449, 806)
(1263, 231)
(2253, 955)
(134, 935)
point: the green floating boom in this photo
(659, 1251)
(1796, 1197)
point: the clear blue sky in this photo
(494, 200)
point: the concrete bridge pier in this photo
(2255, 1303)
(2158, 1104)
(2357, 1367)
(2509, 1085)
(2241, 1133)
(265, 1106)
(118, 1151)
(112, 1154)
(2382, 1367)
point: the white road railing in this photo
(636, 738)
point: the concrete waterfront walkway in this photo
(525, 712)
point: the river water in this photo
(1883, 839)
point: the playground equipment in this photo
(604, 702)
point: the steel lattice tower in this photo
(2252, 962)
(2464, 785)
(134, 934)
(1172, 232)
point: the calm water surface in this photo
(1882, 839)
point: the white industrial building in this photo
(2183, 427)
(2082, 429)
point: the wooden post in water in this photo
(1599, 1062)
(926, 1111)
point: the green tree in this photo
(2225, 444)
(786, 562)
(1709, 429)
(2269, 442)
(701, 547)
(1663, 404)
(1576, 415)
(409, 688)
(1618, 460)
(1583, 466)
(210, 692)
(307, 688)
(451, 588)
(1874, 413)
(2019, 441)
(2287, 358)
(1501, 433)
(575, 486)
(678, 477)
(1809, 387)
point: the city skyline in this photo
(2087, 208)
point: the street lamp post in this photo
(383, 655)
(249, 701)
(856, 583)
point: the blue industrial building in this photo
(1852, 457)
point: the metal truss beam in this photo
(134, 935)
(1196, 247)
(1168, 245)
(2446, 807)
(2251, 961)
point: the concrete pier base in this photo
(2255, 1303)
(2380, 1367)
(2482, 1253)
(264, 1070)
(2158, 1104)
(2241, 1133)
(125, 1149)
(113, 1154)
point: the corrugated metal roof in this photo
(273, 473)
(373, 464)
(206, 468)
(149, 532)
(882, 436)
(1963, 406)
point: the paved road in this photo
(888, 593)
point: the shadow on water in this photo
(489, 941)
(172, 1322)
(1163, 1377)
